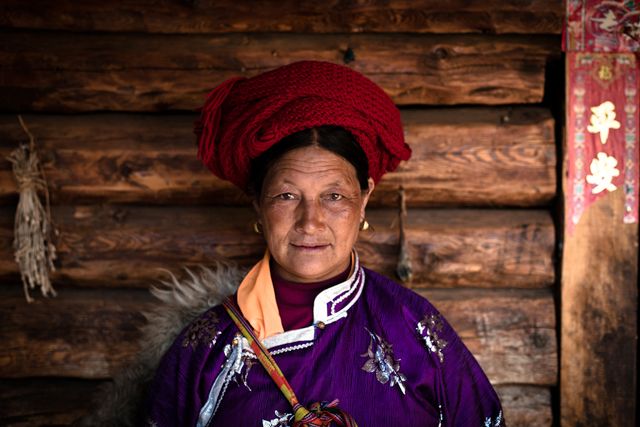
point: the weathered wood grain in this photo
(31, 402)
(92, 334)
(129, 245)
(502, 334)
(469, 157)
(428, 16)
(77, 334)
(137, 72)
(37, 402)
(482, 248)
(526, 406)
(475, 157)
(599, 317)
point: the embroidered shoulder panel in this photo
(202, 330)
(430, 330)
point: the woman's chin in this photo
(309, 271)
(312, 264)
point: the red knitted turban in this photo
(242, 117)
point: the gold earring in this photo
(257, 227)
(364, 225)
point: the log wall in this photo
(109, 88)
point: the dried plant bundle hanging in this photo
(33, 248)
(404, 269)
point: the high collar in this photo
(257, 302)
(331, 305)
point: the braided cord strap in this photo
(319, 414)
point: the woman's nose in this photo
(310, 217)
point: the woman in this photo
(309, 141)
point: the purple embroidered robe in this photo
(382, 350)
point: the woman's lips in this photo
(310, 247)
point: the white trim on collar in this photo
(325, 303)
(324, 308)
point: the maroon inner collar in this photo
(295, 299)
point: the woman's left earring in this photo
(257, 227)
(364, 225)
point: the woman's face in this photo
(310, 209)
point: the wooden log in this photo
(497, 248)
(599, 317)
(92, 334)
(31, 402)
(526, 406)
(500, 332)
(471, 157)
(136, 72)
(129, 245)
(424, 16)
(36, 402)
(78, 334)
(475, 157)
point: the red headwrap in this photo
(242, 117)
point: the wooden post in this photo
(599, 298)
(599, 309)
(600, 251)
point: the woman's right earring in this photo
(257, 227)
(364, 226)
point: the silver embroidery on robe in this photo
(279, 420)
(383, 363)
(488, 422)
(429, 329)
(240, 377)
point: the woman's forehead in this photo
(312, 163)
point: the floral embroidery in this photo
(497, 423)
(280, 420)
(203, 329)
(382, 362)
(151, 423)
(429, 328)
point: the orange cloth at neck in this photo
(257, 300)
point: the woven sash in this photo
(319, 414)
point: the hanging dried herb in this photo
(404, 270)
(33, 247)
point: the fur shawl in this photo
(179, 302)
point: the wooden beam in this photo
(222, 16)
(93, 333)
(506, 330)
(599, 317)
(129, 245)
(526, 406)
(33, 402)
(471, 157)
(136, 72)
(89, 334)
(475, 157)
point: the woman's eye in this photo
(334, 197)
(285, 196)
